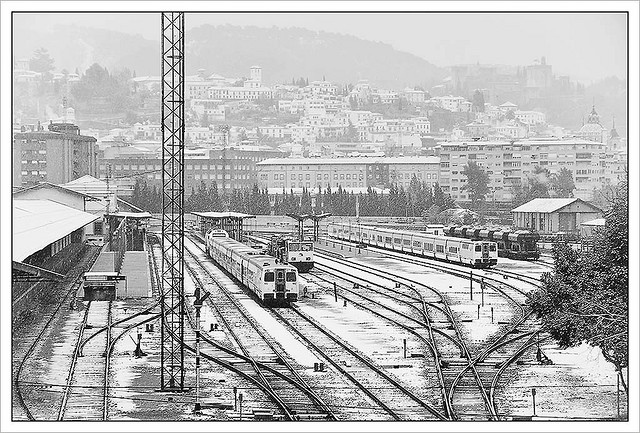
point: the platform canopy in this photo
(38, 223)
(223, 215)
(133, 215)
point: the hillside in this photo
(231, 50)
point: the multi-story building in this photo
(58, 155)
(508, 164)
(349, 173)
(203, 134)
(152, 132)
(242, 93)
(530, 117)
(451, 103)
(215, 111)
(275, 131)
(233, 167)
(414, 96)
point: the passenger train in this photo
(290, 251)
(514, 244)
(272, 282)
(479, 254)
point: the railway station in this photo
(122, 314)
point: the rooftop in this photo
(352, 160)
(549, 205)
(38, 223)
(223, 215)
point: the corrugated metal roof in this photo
(221, 215)
(546, 205)
(38, 223)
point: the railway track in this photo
(31, 340)
(458, 270)
(399, 402)
(477, 371)
(85, 395)
(291, 393)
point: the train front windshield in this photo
(294, 246)
(306, 246)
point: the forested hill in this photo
(231, 50)
(294, 52)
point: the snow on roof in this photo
(221, 215)
(314, 191)
(132, 214)
(89, 184)
(38, 223)
(595, 222)
(548, 205)
(352, 160)
(54, 186)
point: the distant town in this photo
(312, 137)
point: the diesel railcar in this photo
(272, 282)
(513, 244)
(292, 252)
(479, 254)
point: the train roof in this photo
(391, 231)
(251, 254)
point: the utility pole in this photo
(225, 129)
(198, 304)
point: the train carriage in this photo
(519, 244)
(293, 252)
(465, 251)
(272, 282)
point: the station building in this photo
(355, 172)
(553, 215)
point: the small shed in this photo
(552, 215)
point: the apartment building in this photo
(57, 155)
(509, 163)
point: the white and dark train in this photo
(272, 282)
(292, 252)
(479, 254)
(514, 244)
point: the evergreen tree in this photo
(562, 183)
(586, 297)
(41, 61)
(477, 183)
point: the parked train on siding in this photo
(292, 252)
(513, 244)
(479, 254)
(272, 282)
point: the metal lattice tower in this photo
(172, 334)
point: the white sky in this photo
(588, 47)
